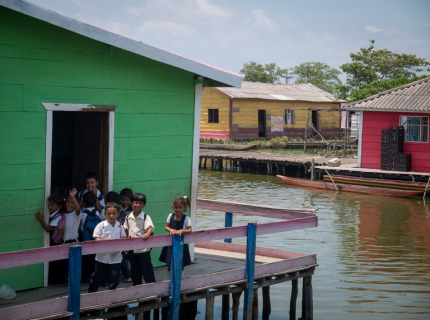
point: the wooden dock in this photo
(262, 162)
(221, 269)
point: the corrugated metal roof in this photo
(218, 76)
(414, 96)
(270, 91)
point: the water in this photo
(373, 252)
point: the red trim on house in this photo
(215, 134)
(373, 123)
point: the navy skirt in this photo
(166, 256)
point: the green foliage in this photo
(378, 68)
(319, 74)
(255, 72)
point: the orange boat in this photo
(372, 182)
(350, 188)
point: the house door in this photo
(261, 123)
(79, 145)
(315, 122)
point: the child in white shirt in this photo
(108, 263)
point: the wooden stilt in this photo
(267, 306)
(175, 276)
(249, 270)
(164, 311)
(147, 315)
(75, 263)
(313, 170)
(255, 305)
(210, 304)
(156, 314)
(293, 300)
(225, 313)
(236, 302)
(204, 165)
(307, 301)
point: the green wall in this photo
(153, 125)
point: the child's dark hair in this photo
(185, 201)
(113, 196)
(57, 198)
(89, 199)
(126, 192)
(138, 197)
(92, 175)
(110, 205)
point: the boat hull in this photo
(383, 183)
(350, 188)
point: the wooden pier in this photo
(239, 269)
(264, 163)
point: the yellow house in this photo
(266, 110)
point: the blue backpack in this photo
(91, 221)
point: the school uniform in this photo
(166, 252)
(140, 259)
(71, 230)
(88, 261)
(57, 275)
(110, 262)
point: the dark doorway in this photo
(79, 145)
(261, 123)
(315, 123)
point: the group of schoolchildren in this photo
(76, 217)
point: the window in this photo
(416, 128)
(290, 117)
(213, 116)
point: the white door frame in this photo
(50, 107)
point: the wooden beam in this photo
(175, 277)
(225, 311)
(306, 131)
(209, 315)
(267, 306)
(75, 266)
(236, 303)
(249, 270)
(35, 310)
(244, 208)
(228, 223)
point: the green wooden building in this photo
(76, 98)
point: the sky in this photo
(226, 34)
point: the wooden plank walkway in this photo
(206, 261)
(269, 157)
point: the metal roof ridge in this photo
(382, 93)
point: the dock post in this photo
(307, 299)
(236, 302)
(255, 305)
(175, 277)
(225, 313)
(249, 270)
(267, 307)
(210, 305)
(293, 299)
(75, 266)
(313, 170)
(228, 223)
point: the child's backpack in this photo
(91, 221)
(58, 232)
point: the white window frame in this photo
(290, 116)
(403, 121)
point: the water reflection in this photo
(373, 251)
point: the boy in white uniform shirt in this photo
(139, 225)
(108, 263)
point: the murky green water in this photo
(373, 252)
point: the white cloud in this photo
(263, 21)
(373, 29)
(132, 11)
(291, 23)
(164, 28)
(207, 8)
(427, 25)
(393, 32)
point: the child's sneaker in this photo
(128, 280)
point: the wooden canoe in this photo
(372, 182)
(350, 188)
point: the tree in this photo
(255, 72)
(319, 74)
(380, 68)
